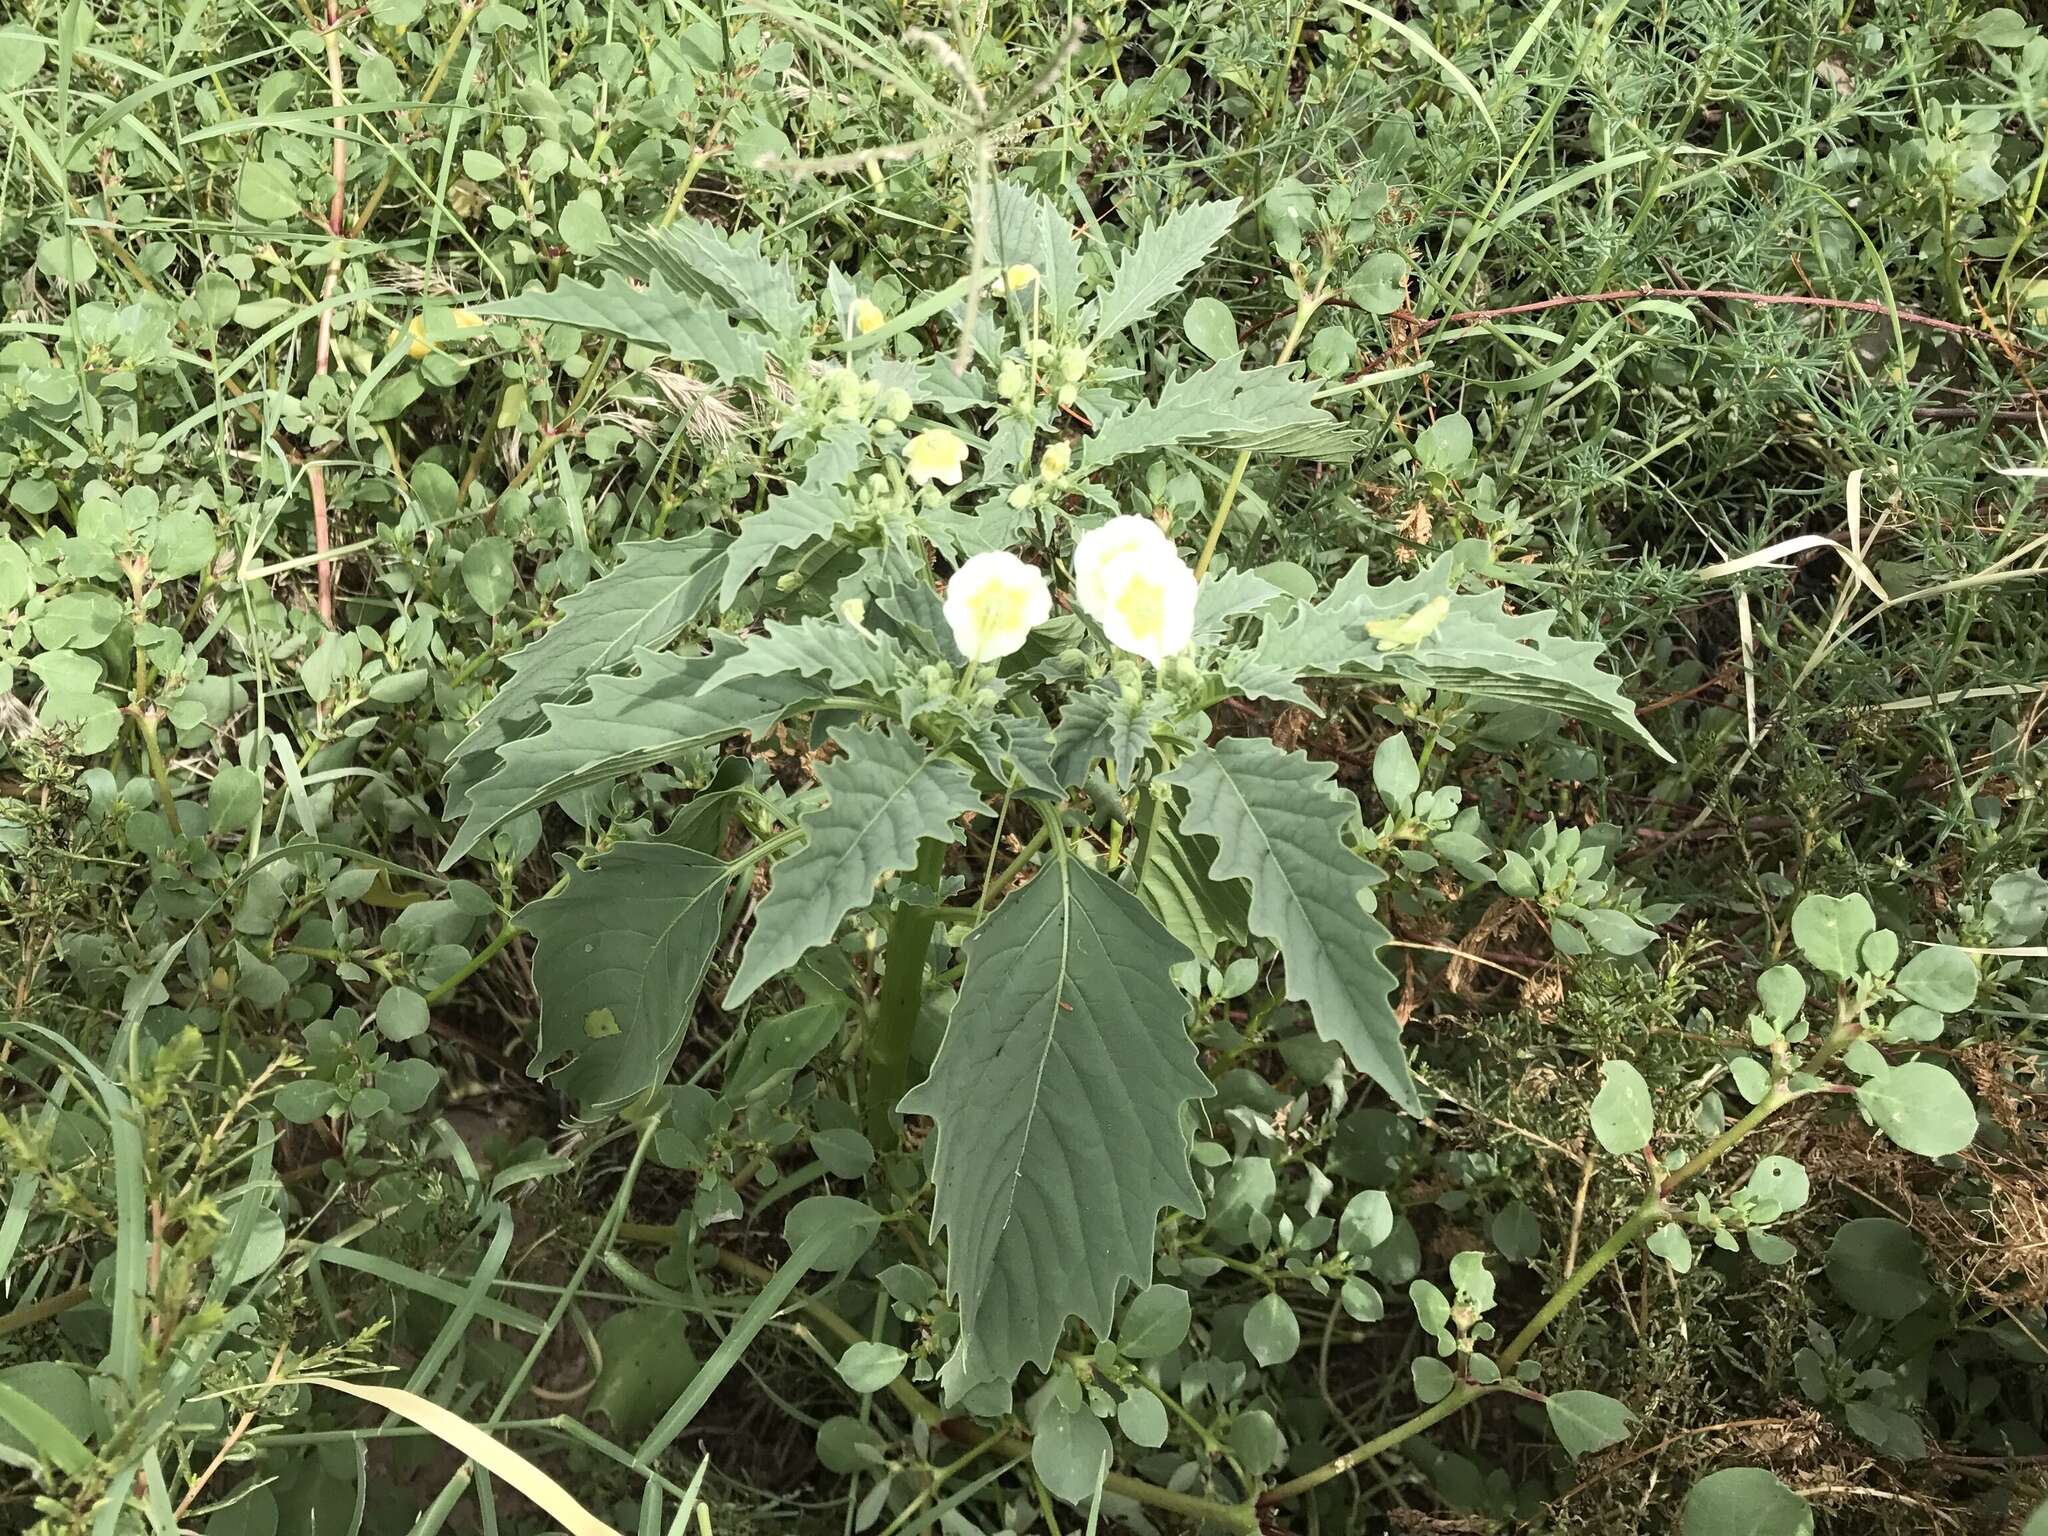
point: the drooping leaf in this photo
(620, 953)
(1280, 822)
(809, 510)
(1158, 262)
(1470, 645)
(1585, 1422)
(657, 587)
(678, 325)
(1058, 1094)
(628, 722)
(884, 796)
(1223, 406)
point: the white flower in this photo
(868, 316)
(935, 455)
(993, 602)
(1098, 547)
(1149, 606)
(1054, 461)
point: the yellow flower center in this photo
(1142, 605)
(998, 607)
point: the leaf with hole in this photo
(620, 953)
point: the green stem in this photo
(145, 727)
(895, 1020)
(1304, 310)
(1009, 873)
(482, 958)
(1459, 1396)
(42, 1311)
(1646, 1215)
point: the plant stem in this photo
(144, 717)
(1646, 1215)
(482, 958)
(1459, 1396)
(1009, 873)
(42, 1311)
(895, 1020)
(1304, 309)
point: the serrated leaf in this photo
(816, 647)
(1221, 407)
(1098, 723)
(1585, 1422)
(884, 797)
(694, 257)
(678, 325)
(1024, 227)
(1058, 1094)
(1202, 913)
(1280, 823)
(809, 510)
(1475, 647)
(627, 723)
(619, 955)
(657, 588)
(1159, 261)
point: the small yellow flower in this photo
(1054, 461)
(867, 316)
(935, 455)
(993, 603)
(418, 343)
(1015, 279)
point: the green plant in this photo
(406, 411)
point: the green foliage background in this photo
(268, 1111)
